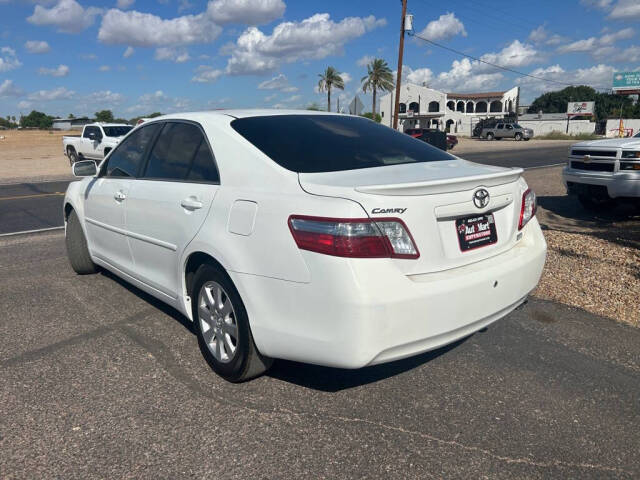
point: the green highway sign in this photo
(626, 80)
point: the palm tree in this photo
(379, 77)
(330, 78)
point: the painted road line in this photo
(36, 195)
(24, 232)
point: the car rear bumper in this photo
(358, 313)
(618, 184)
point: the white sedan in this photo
(307, 236)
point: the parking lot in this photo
(99, 380)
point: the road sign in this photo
(580, 108)
(626, 82)
(356, 106)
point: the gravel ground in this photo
(593, 261)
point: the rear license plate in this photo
(475, 232)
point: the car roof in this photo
(243, 113)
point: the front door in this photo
(106, 200)
(169, 203)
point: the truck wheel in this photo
(490, 136)
(222, 327)
(518, 136)
(77, 250)
(73, 156)
(596, 203)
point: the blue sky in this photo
(139, 56)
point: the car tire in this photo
(490, 136)
(518, 137)
(73, 156)
(222, 327)
(77, 250)
(527, 139)
(596, 204)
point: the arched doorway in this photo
(481, 107)
(402, 108)
(451, 105)
(510, 106)
(469, 107)
(460, 106)
(434, 106)
(414, 107)
(496, 106)
(449, 127)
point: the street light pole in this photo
(400, 53)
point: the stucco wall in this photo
(631, 125)
(543, 127)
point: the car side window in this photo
(181, 153)
(500, 126)
(126, 159)
(87, 131)
(509, 127)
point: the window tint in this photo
(203, 168)
(89, 130)
(116, 131)
(125, 160)
(330, 143)
(174, 152)
(500, 126)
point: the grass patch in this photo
(556, 135)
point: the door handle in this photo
(191, 203)
(119, 196)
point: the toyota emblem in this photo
(481, 198)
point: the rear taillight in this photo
(528, 208)
(353, 237)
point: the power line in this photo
(507, 69)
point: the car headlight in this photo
(631, 154)
(630, 166)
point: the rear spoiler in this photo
(446, 185)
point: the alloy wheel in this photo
(218, 321)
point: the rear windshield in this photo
(116, 131)
(330, 143)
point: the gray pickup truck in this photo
(507, 130)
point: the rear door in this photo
(509, 131)
(106, 199)
(169, 203)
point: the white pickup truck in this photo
(603, 172)
(96, 141)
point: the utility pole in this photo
(400, 53)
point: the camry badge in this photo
(481, 198)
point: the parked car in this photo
(307, 236)
(507, 130)
(96, 141)
(434, 137)
(601, 173)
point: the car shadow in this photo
(620, 224)
(328, 379)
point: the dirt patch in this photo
(32, 155)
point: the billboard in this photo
(580, 108)
(626, 81)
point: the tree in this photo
(369, 115)
(71, 116)
(329, 79)
(379, 77)
(314, 106)
(37, 120)
(104, 116)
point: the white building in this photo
(424, 107)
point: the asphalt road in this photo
(31, 206)
(98, 380)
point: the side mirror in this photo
(92, 136)
(84, 168)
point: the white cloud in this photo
(128, 52)
(279, 82)
(177, 55)
(445, 27)
(464, 77)
(68, 16)
(158, 101)
(147, 30)
(105, 97)
(124, 4)
(59, 71)
(595, 45)
(364, 61)
(104, 68)
(36, 46)
(8, 89)
(626, 10)
(23, 105)
(271, 97)
(346, 78)
(89, 56)
(598, 75)
(206, 74)
(60, 93)
(516, 54)
(293, 98)
(420, 76)
(248, 12)
(601, 4)
(313, 38)
(8, 59)
(541, 36)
